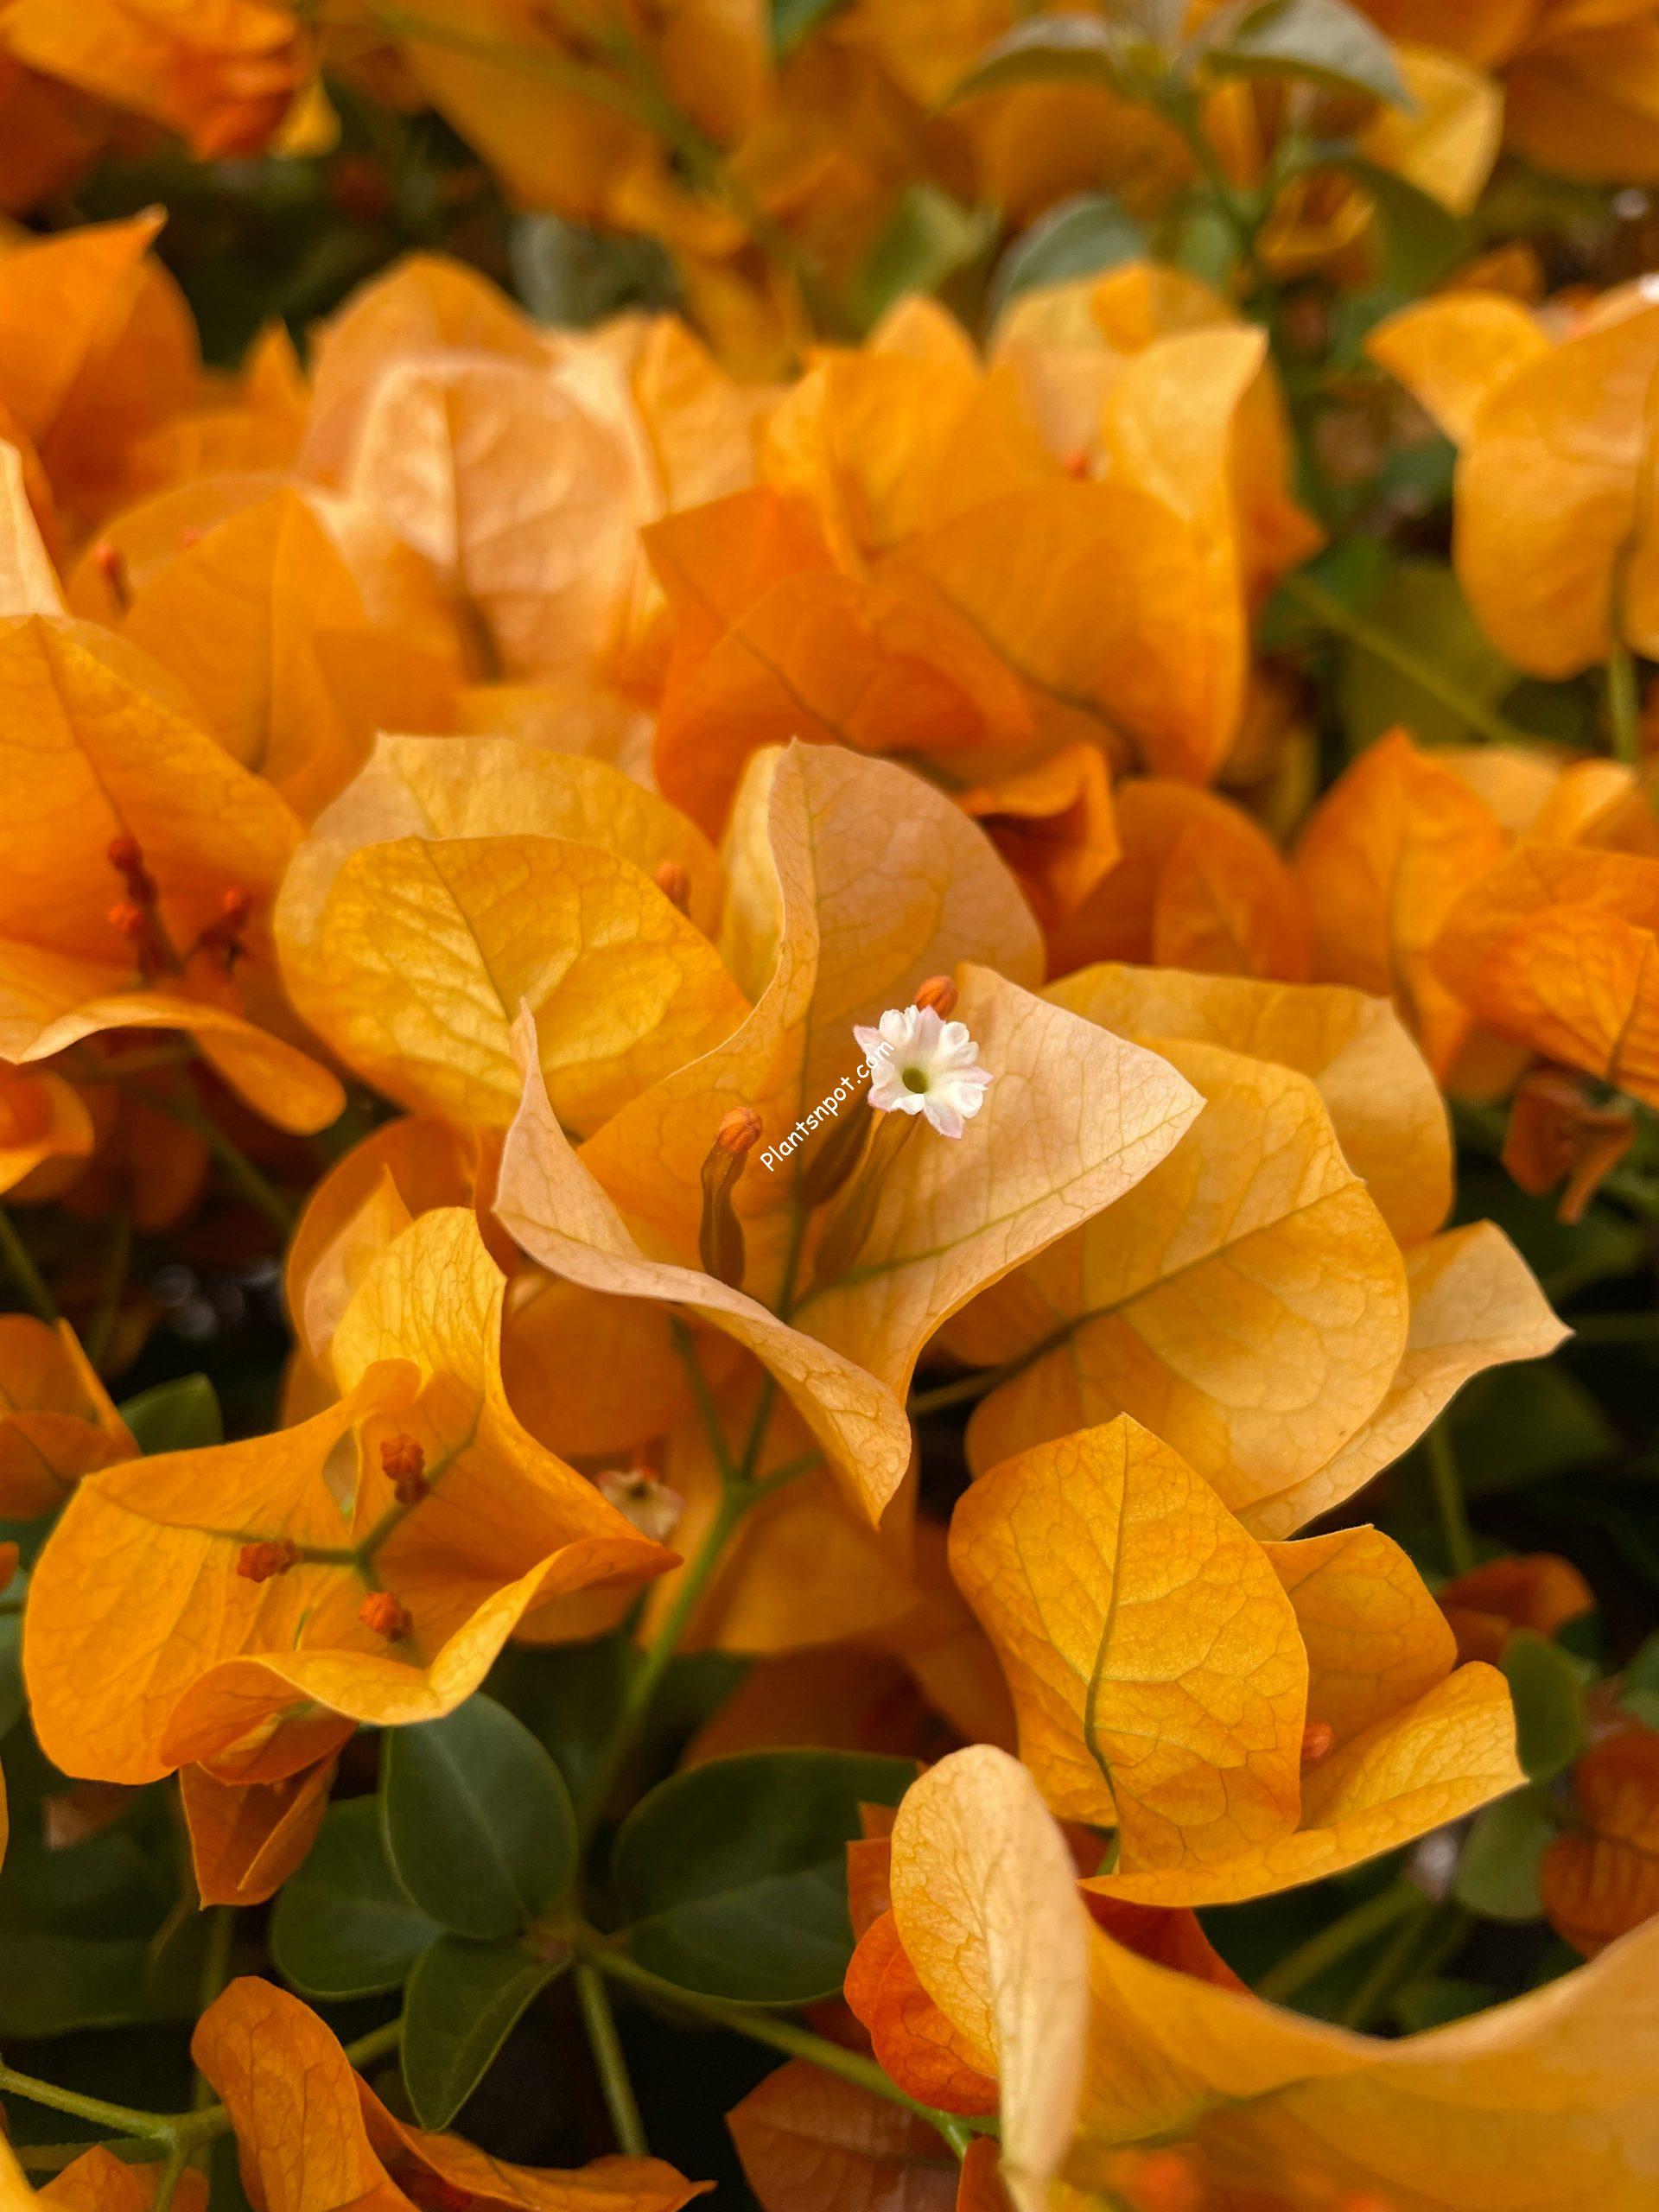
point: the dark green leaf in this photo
(478, 1823)
(1323, 40)
(1046, 49)
(794, 22)
(1549, 1704)
(1640, 1695)
(343, 1926)
(1421, 240)
(462, 2002)
(1523, 1425)
(732, 1875)
(928, 237)
(1091, 230)
(1498, 1870)
(181, 1416)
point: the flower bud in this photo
(939, 993)
(849, 1226)
(8, 1563)
(739, 1132)
(837, 1160)
(720, 1234)
(672, 880)
(386, 1615)
(260, 1562)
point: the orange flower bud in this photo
(386, 1615)
(1317, 1738)
(404, 1463)
(259, 1562)
(672, 879)
(224, 936)
(740, 1132)
(1557, 1133)
(129, 919)
(941, 993)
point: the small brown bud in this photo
(260, 1562)
(386, 1615)
(1317, 1738)
(941, 993)
(127, 916)
(672, 880)
(739, 1132)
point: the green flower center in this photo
(913, 1078)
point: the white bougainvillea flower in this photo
(923, 1066)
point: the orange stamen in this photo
(260, 1562)
(403, 1464)
(386, 1615)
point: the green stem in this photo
(1332, 613)
(1449, 1504)
(1385, 1973)
(172, 2174)
(959, 1393)
(608, 2057)
(763, 2026)
(53, 2157)
(25, 1273)
(239, 1170)
(100, 1329)
(112, 2119)
(641, 1693)
(215, 1972)
(1333, 1944)
(1623, 704)
(686, 1345)
(376, 2045)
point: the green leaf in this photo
(1497, 1871)
(794, 22)
(928, 237)
(1323, 40)
(1421, 240)
(1091, 232)
(1046, 50)
(732, 1875)
(1518, 1428)
(1549, 1704)
(479, 1822)
(1421, 600)
(181, 1416)
(576, 278)
(1640, 1695)
(463, 2001)
(343, 1927)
